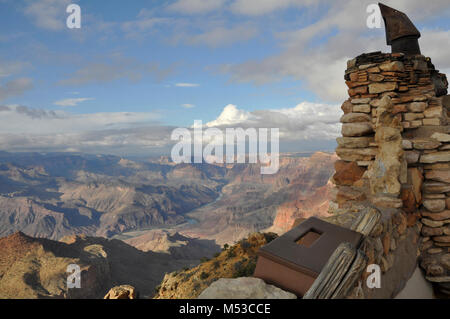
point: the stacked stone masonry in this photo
(395, 158)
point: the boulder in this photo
(433, 112)
(356, 129)
(385, 172)
(387, 202)
(361, 108)
(417, 107)
(354, 142)
(409, 200)
(441, 137)
(376, 88)
(122, 292)
(425, 144)
(412, 157)
(438, 175)
(399, 108)
(442, 239)
(432, 121)
(355, 117)
(376, 77)
(436, 187)
(432, 223)
(347, 107)
(347, 173)
(407, 144)
(360, 101)
(366, 221)
(412, 116)
(430, 231)
(415, 178)
(435, 157)
(346, 194)
(244, 288)
(394, 66)
(356, 154)
(434, 205)
(357, 90)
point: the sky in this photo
(136, 70)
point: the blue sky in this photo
(179, 62)
(162, 64)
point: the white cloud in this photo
(316, 54)
(188, 106)
(306, 121)
(230, 115)
(431, 46)
(222, 36)
(22, 119)
(28, 129)
(116, 68)
(48, 14)
(72, 102)
(419, 10)
(187, 85)
(416, 9)
(15, 88)
(12, 67)
(140, 27)
(261, 7)
(195, 6)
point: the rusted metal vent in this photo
(401, 33)
(293, 261)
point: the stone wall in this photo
(395, 159)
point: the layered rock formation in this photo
(37, 268)
(305, 206)
(55, 195)
(252, 202)
(171, 242)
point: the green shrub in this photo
(243, 269)
(270, 236)
(204, 259)
(204, 275)
(245, 244)
(231, 253)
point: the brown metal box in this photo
(294, 260)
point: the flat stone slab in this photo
(244, 288)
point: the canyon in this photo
(55, 195)
(132, 222)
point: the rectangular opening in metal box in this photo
(309, 238)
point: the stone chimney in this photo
(395, 155)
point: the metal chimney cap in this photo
(398, 25)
